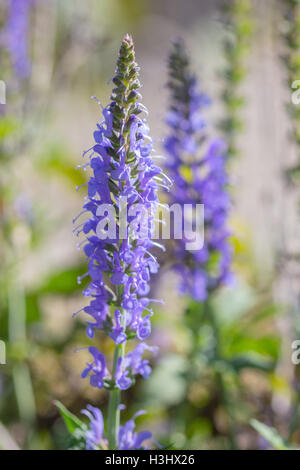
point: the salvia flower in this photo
(120, 267)
(95, 432)
(119, 259)
(128, 439)
(197, 166)
(14, 36)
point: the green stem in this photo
(17, 335)
(113, 422)
(113, 407)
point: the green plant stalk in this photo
(113, 422)
(291, 61)
(17, 335)
(239, 19)
(207, 313)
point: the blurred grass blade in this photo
(24, 392)
(269, 434)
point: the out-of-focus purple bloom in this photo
(96, 369)
(197, 167)
(24, 209)
(128, 439)
(163, 339)
(14, 37)
(120, 265)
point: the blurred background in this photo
(246, 55)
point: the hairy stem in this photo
(115, 393)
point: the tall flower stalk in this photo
(288, 267)
(238, 19)
(291, 60)
(197, 166)
(120, 264)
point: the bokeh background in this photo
(46, 124)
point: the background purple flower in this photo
(15, 35)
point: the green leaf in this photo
(56, 160)
(32, 309)
(63, 282)
(265, 346)
(269, 434)
(252, 361)
(71, 421)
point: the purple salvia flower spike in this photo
(120, 264)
